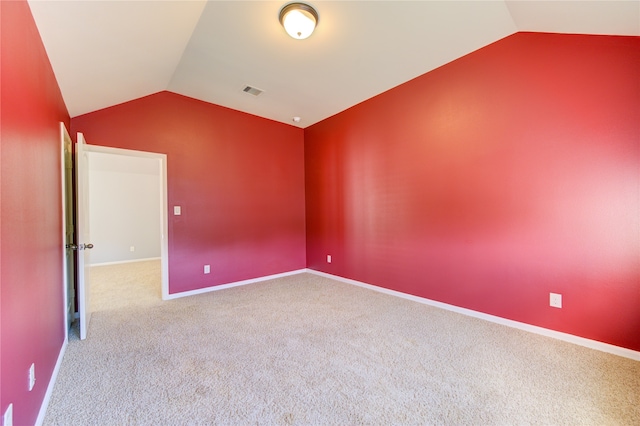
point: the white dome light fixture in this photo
(299, 20)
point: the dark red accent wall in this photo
(31, 288)
(238, 178)
(492, 181)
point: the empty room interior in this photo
(421, 212)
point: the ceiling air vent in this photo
(252, 90)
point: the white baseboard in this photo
(233, 284)
(52, 382)
(592, 344)
(146, 259)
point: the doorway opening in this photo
(121, 216)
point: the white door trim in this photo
(164, 227)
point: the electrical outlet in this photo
(32, 376)
(328, 258)
(8, 416)
(132, 248)
(207, 269)
(177, 210)
(555, 300)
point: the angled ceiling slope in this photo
(108, 52)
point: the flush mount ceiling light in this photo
(299, 20)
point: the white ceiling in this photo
(108, 52)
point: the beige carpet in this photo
(309, 350)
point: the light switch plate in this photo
(177, 211)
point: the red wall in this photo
(238, 178)
(492, 181)
(31, 231)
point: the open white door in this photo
(68, 228)
(82, 229)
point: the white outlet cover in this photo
(328, 258)
(32, 376)
(8, 416)
(132, 248)
(555, 300)
(177, 210)
(207, 269)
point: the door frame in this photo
(164, 232)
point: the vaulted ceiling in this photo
(108, 52)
